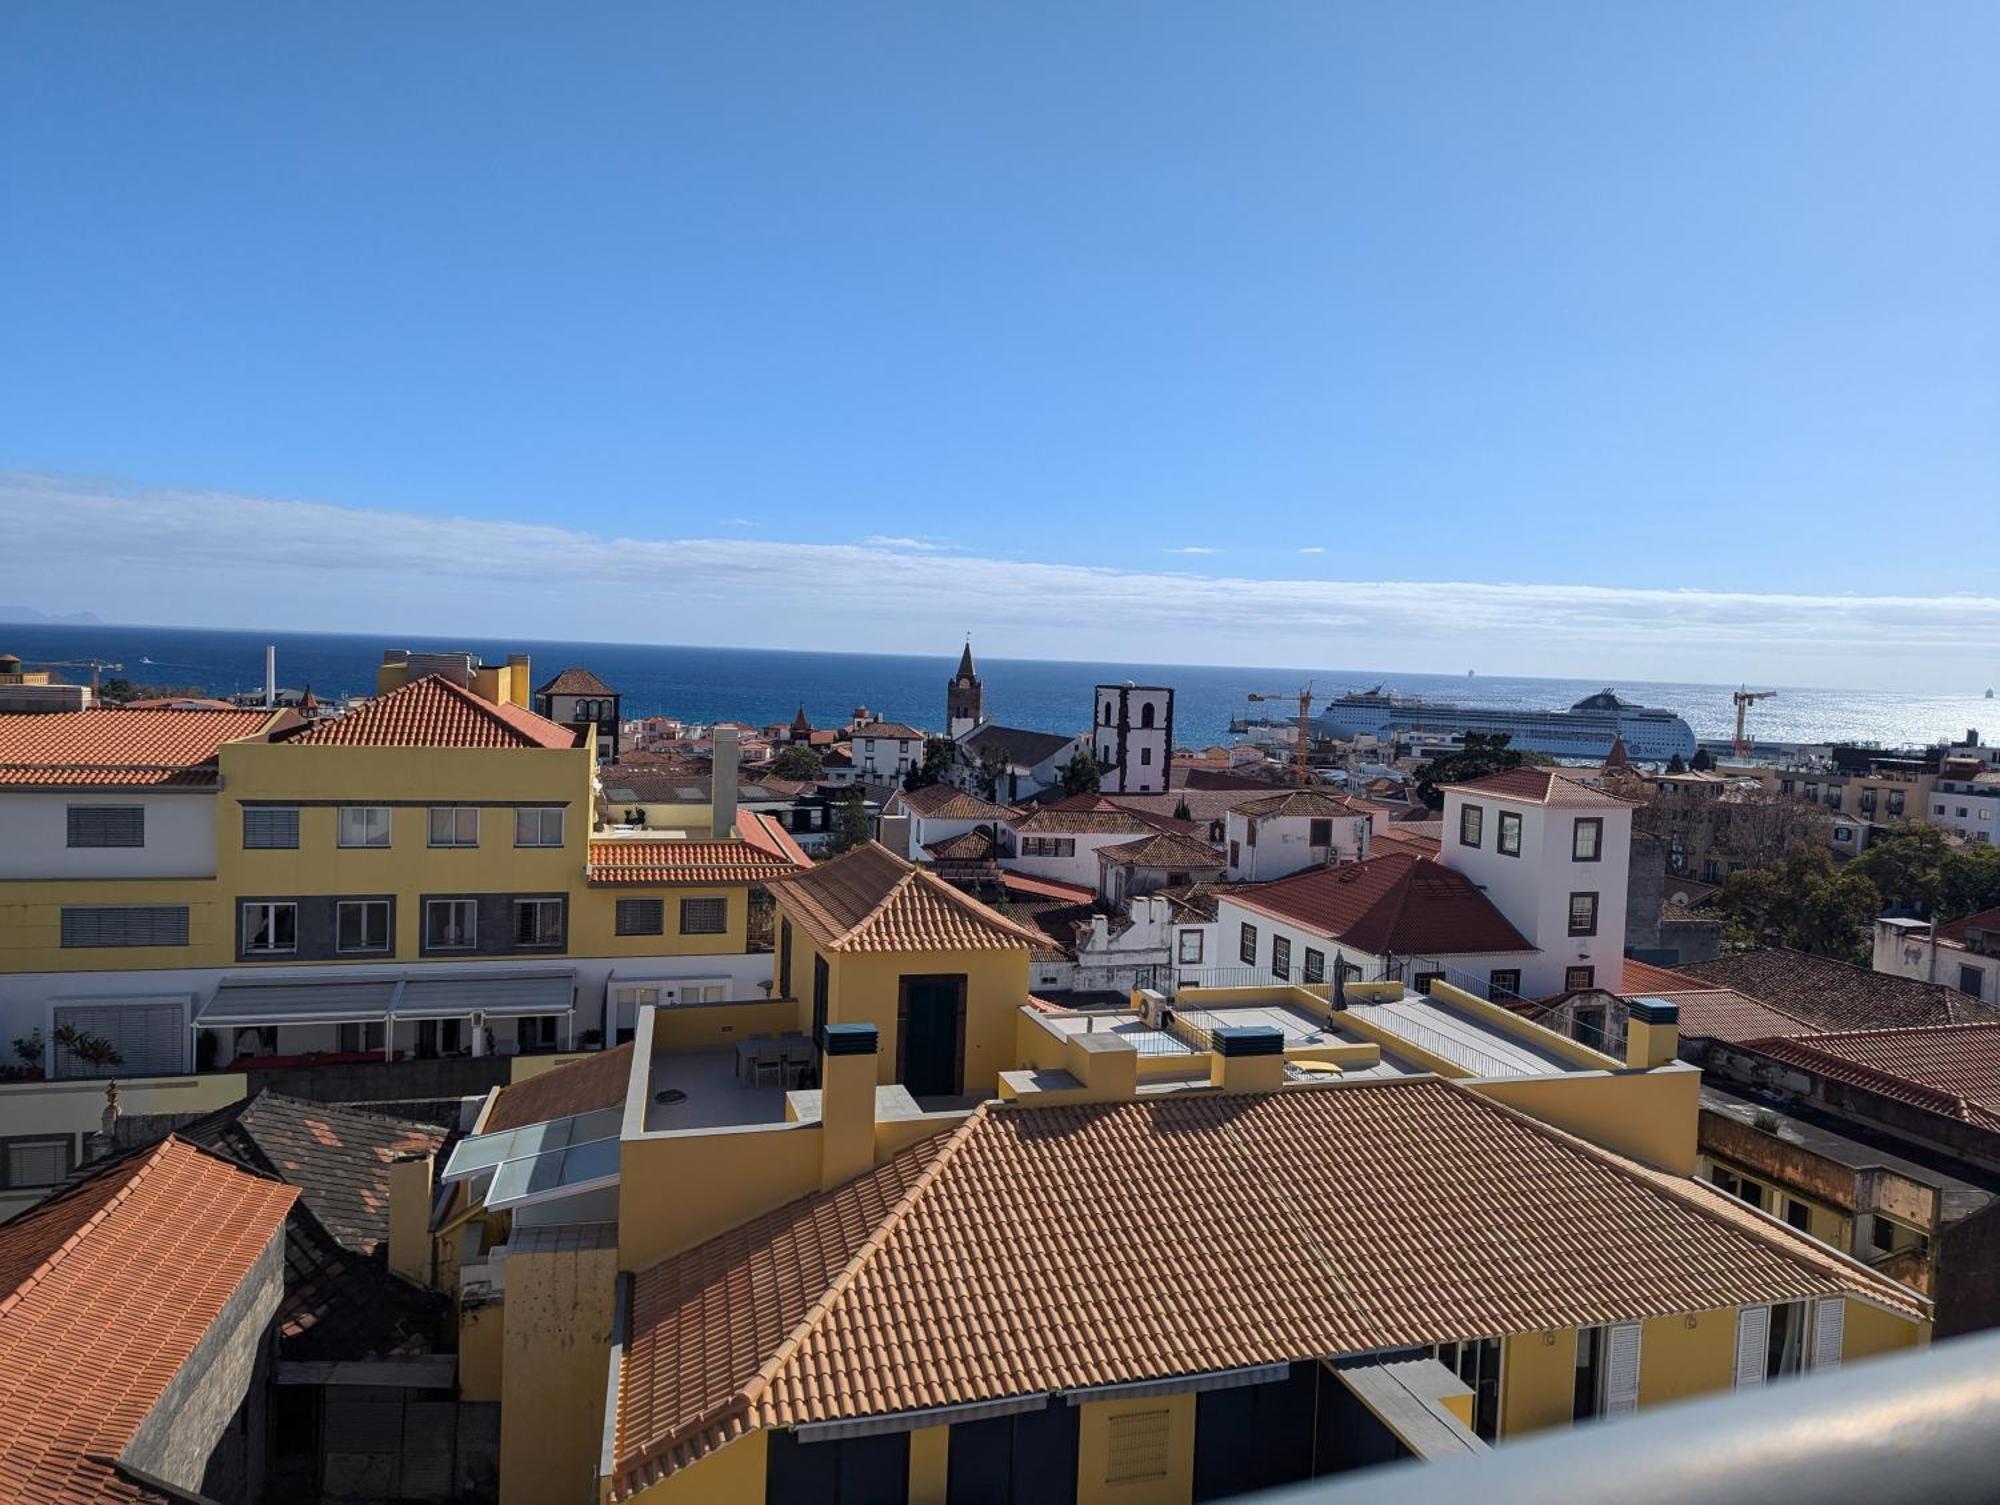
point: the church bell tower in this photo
(964, 698)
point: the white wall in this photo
(1148, 749)
(886, 757)
(180, 837)
(1079, 870)
(1902, 952)
(1472, 969)
(1979, 823)
(1284, 845)
(1533, 889)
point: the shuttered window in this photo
(1281, 956)
(265, 828)
(642, 916)
(1138, 1446)
(704, 916)
(1315, 966)
(1829, 1332)
(1621, 1369)
(126, 925)
(1753, 1332)
(107, 825)
(152, 1038)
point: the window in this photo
(126, 925)
(454, 826)
(1750, 1191)
(266, 828)
(1843, 833)
(1138, 1446)
(1510, 834)
(1048, 846)
(1319, 833)
(1895, 802)
(784, 958)
(364, 825)
(1145, 756)
(1190, 948)
(1281, 956)
(1583, 914)
(1503, 981)
(1882, 1234)
(704, 916)
(1586, 841)
(1971, 981)
(1589, 1373)
(1938, 809)
(361, 925)
(1235, 854)
(1576, 979)
(640, 917)
(1471, 824)
(270, 929)
(538, 826)
(1250, 832)
(820, 980)
(357, 1037)
(451, 924)
(538, 922)
(1785, 1351)
(1722, 1180)
(1477, 1363)
(1146, 714)
(1798, 1214)
(1422, 981)
(107, 825)
(35, 1162)
(1246, 945)
(1315, 966)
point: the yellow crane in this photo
(1744, 700)
(94, 665)
(1301, 768)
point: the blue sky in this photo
(855, 322)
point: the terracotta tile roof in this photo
(1724, 1014)
(1058, 920)
(1951, 1069)
(434, 712)
(1836, 995)
(108, 747)
(1039, 1250)
(1196, 901)
(1953, 932)
(946, 802)
(576, 681)
(105, 1290)
(1644, 979)
(1402, 839)
(1165, 849)
(869, 899)
(1095, 815)
(975, 845)
(638, 863)
(1304, 802)
(767, 832)
(893, 730)
(596, 1081)
(338, 1157)
(1046, 888)
(1544, 786)
(1393, 904)
(1204, 806)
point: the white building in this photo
(883, 751)
(1279, 834)
(1966, 800)
(939, 812)
(1962, 954)
(1027, 762)
(1061, 842)
(1132, 737)
(1554, 856)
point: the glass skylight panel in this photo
(531, 1142)
(554, 1171)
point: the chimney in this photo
(1652, 1033)
(270, 676)
(846, 1102)
(1248, 1058)
(518, 688)
(723, 762)
(410, 1193)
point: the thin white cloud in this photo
(914, 545)
(1314, 549)
(1193, 548)
(741, 522)
(219, 560)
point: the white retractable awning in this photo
(491, 993)
(341, 1000)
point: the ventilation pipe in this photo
(270, 676)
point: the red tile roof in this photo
(1307, 802)
(1724, 1014)
(120, 748)
(1544, 786)
(1953, 932)
(1396, 839)
(1836, 995)
(764, 830)
(1952, 1069)
(639, 863)
(1046, 888)
(947, 802)
(576, 681)
(1165, 849)
(597, 1081)
(1393, 904)
(1643, 979)
(869, 899)
(1034, 1251)
(105, 1290)
(434, 712)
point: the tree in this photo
(1677, 764)
(991, 769)
(940, 755)
(1918, 871)
(92, 1050)
(1478, 756)
(799, 760)
(1805, 902)
(1702, 762)
(851, 824)
(1080, 775)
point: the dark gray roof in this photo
(1016, 744)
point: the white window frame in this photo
(539, 906)
(266, 912)
(539, 815)
(363, 816)
(471, 940)
(388, 927)
(459, 818)
(64, 1146)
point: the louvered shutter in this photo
(1829, 1331)
(1753, 1337)
(1621, 1369)
(152, 1038)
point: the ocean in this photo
(765, 685)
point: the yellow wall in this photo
(557, 1346)
(1869, 1330)
(732, 1475)
(1651, 1115)
(676, 1190)
(594, 922)
(1828, 1224)
(930, 1465)
(1093, 1453)
(31, 924)
(1538, 1381)
(1686, 1355)
(865, 989)
(481, 1338)
(696, 1026)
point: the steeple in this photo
(800, 726)
(965, 669)
(964, 697)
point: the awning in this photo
(341, 1000)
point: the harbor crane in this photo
(1744, 700)
(1301, 768)
(94, 665)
